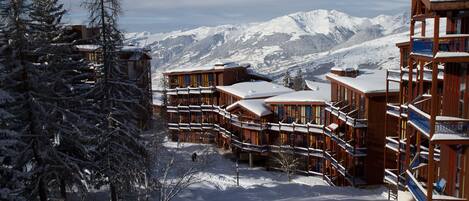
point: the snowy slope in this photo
(219, 183)
(314, 41)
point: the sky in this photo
(168, 15)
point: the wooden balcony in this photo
(190, 90)
(347, 113)
(400, 75)
(395, 144)
(448, 130)
(419, 192)
(451, 48)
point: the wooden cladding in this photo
(192, 80)
(302, 114)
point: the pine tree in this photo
(299, 81)
(121, 154)
(287, 79)
(12, 182)
(62, 99)
(50, 97)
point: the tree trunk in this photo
(113, 192)
(63, 190)
(42, 191)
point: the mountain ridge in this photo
(309, 40)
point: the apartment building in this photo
(354, 135)
(428, 145)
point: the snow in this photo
(157, 99)
(219, 183)
(448, 137)
(88, 47)
(256, 106)
(333, 126)
(217, 66)
(259, 89)
(321, 93)
(443, 54)
(368, 81)
(272, 48)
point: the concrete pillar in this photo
(251, 163)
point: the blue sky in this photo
(169, 15)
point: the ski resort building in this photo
(329, 129)
(354, 135)
(135, 65)
(427, 147)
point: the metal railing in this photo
(448, 43)
(347, 114)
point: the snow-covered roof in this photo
(320, 93)
(343, 69)
(133, 49)
(217, 66)
(89, 47)
(256, 106)
(258, 89)
(367, 81)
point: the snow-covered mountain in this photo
(314, 41)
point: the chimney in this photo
(345, 72)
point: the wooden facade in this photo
(354, 137)
(427, 143)
(345, 150)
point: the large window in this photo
(211, 80)
(309, 113)
(187, 80)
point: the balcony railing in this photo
(393, 109)
(449, 43)
(294, 127)
(347, 114)
(190, 90)
(395, 144)
(446, 128)
(390, 176)
(416, 189)
(399, 75)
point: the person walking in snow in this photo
(194, 157)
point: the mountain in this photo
(314, 41)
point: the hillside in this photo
(313, 41)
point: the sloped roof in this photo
(256, 106)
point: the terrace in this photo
(347, 113)
(447, 129)
(449, 46)
(419, 192)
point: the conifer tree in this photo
(12, 182)
(121, 155)
(287, 79)
(50, 95)
(298, 81)
(62, 98)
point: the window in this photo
(318, 115)
(199, 80)
(187, 80)
(211, 80)
(280, 111)
(309, 113)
